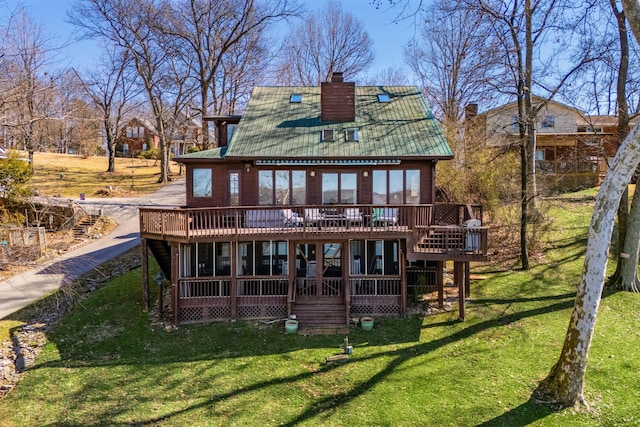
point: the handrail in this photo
(205, 222)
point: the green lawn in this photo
(108, 365)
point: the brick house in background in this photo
(321, 205)
(136, 136)
(140, 134)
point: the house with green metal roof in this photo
(318, 205)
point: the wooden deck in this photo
(435, 232)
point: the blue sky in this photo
(388, 38)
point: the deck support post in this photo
(467, 279)
(459, 280)
(145, 275)
(175, 290)
(233, 292)
(292, 277)
(440, 283)
(403, 284)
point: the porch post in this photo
(403, 283)
(440, 283)
(467, 274)
(346, 286)
(233, 292)
(458, 278)
(145, 275)
(292, 277)
(175, 274)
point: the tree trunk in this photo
(623, 124)
(524, 218)
(564, 384)
(629, 259)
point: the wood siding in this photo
(249, 181)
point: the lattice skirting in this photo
(375, 306)
(203, 314)
(262, 312)
(375, 310)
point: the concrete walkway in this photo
(22, 289)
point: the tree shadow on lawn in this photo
(526, 413)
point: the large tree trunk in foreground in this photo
(564, 384)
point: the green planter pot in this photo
(366, 323)
(291, 326)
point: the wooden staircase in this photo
(162, 253)
(81, 227)
(321, 315)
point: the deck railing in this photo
(443, 229)
(211, 222)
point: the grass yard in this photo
(107, 364)
(70, 175)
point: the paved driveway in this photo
(20, 290)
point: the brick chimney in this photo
(470, 111)
(337, 100)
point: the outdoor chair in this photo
(353, 216)
(312, 216)
(385, 216)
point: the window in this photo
(339, 188)
(201, 182)
(374, 257)
(125, 148)
(135, 132)
(548, 121)
(351, 135)
(282, 187)
(234, 189)
(263, 258)
(539, 154)
(396, 187)
(205, 259)
(383, 97)
(515, 123)
(296, 98)
(327, 135)
(412, 187)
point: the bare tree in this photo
(134, 26)
(330, 40)
(564, 384)
(387, 76)
(455, 57)
(112, 90)
(523, 28)
(626, 275)
(212, 32)
(29, 85)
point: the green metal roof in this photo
(272, 127)
(215, 153)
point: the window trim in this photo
(351, 135)
(328, 135)
(548, 121)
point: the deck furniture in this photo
(385, 216)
